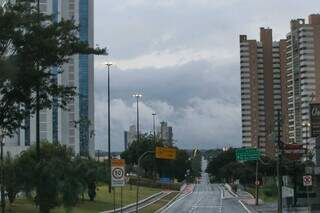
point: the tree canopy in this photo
(32, 45)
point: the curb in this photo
(228, 187)
(169, 203)
(174, 199)
(133, 204)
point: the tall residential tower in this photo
(303, 74)
(262, 89)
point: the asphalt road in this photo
(207, 198)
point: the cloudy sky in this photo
(183, 56)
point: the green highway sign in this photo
(244, 154)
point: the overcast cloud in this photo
(183, 55)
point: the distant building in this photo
(166, 134)
(130, 136)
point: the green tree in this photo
(26, 168)
(11, 180)
(71, 187)
(33, 48)
(132, 154)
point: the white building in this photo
(75, 127)
(130, 136)
(303, 65)
(166, 133)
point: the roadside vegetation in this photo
(223, 167)
(102, 202)
(183, 167)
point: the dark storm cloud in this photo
(183, 55)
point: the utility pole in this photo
(37, 99)
(279, 159)
(257, 173)
(3, 201)
(109, 130)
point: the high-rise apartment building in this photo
(166, 133)
(262, 89)
(303, 74)
(74, 127)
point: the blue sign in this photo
(165, 180)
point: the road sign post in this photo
(117, 173)
(307, 181)
(117, 177)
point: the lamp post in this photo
(138, 96)
(109, 64)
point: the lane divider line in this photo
(244, 206)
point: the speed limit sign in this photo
(117, 173)
(307, 180)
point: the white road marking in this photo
(244, 206)
(207, 206)
(176, 201)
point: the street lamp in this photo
(109, 64)
(138, 96)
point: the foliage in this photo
(33, 50)
(164, 168)
(59, 179)
(11, 180)
(224, 167)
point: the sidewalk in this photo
(250, 201)
(187, 189)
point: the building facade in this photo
(303, 74)
(262, 90)
(74, 127)
(130, 136)
(166, 134)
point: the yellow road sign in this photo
(166, 153)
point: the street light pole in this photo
(109, 136)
